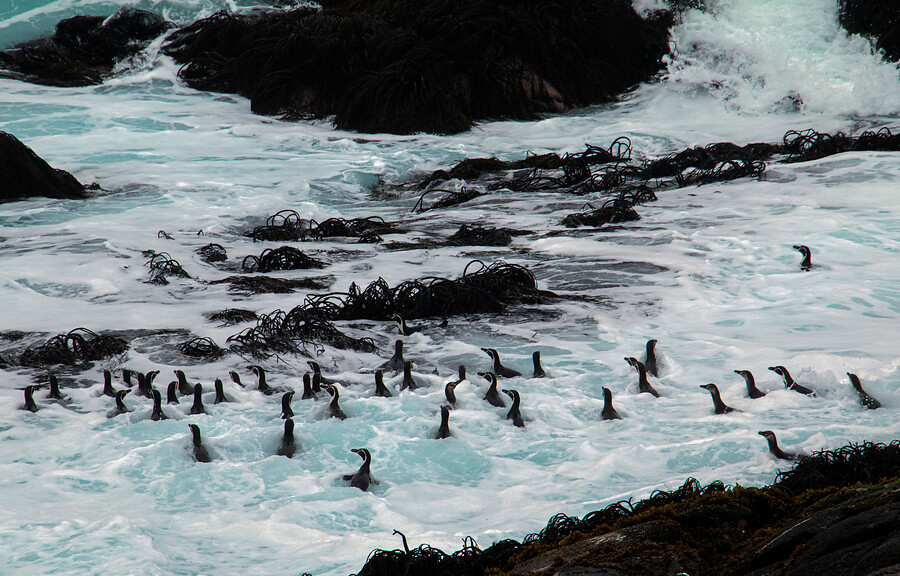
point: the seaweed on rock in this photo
(294, 332)
(451, 198)
(483, 236)
(201, 348)
(162, 265)
(232, 316)
(76, 346)
(213, 253)
(258, 284)
(867, 462)
(284, 258)
(287, 225)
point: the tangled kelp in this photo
(213, 253)
(284, 258)
(258, 284)
(287, 225)
(615, 210)
(204, 348)
(162, 265)
(451, 198)
(867, 462)
(76, 346)
(297, 332)
(435, 66)
(232, 316)
(483, 236)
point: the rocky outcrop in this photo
(23, 174)
(877, 19)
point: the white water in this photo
(709, 271)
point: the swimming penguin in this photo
(650, 358)
(201, 454)
(773, 446)
(261, 384)
(236, 378)
(492, 395)
(145, 383)
(54, 393)
(172, 393)
(538, 369)
(789, 382)
(157, 413)
(752, 390)
(450, 393)
(864, 397)
(408, 381)
(514, 413)
(721, 408)
(462, 374)
(318, 370)
(499, 369)
(197, 406)
(363, 476)
(307, 388)
(334, 410)
(380, 388)
(609, 413)
(120, 403)
(317, 382)
(126, 377)
(404, 328)
(643, 384)
(184, 388)
(396, 362)
(287, 446)
(30, 405)
(286, 411)
(444, 430)
(220, 393)
(806, 264)
(108, 389)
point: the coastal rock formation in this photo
(877, 19)
(23, 174)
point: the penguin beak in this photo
(737, 371)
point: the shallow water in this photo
(709, 271)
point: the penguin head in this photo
(768, 434)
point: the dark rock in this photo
(23, 174)
(877, 19)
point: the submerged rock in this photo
(23, 174)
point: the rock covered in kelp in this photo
(83, 49)
(878, 19)
(23, 174)
(406, 67)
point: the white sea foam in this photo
(709, 271)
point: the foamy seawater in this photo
(709, 271)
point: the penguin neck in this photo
(788, 379)
(717, 399)
(307, 385)
(29, 399)
(54, 388)
(198, 400)
(493, 387)
(642, 375)
(367, 461)
(120, 403)
(334, 398)
(498, 367)
(261, 380)
(607, 401)
(515, 403)
(807, 259)
(195, 432)
(220, 391)
(450, 394)
(445, 418)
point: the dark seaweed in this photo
(284, 258)
(213, 253)
(232, 316)
(77, 346)
(163, 265)
(267, 285)
(201, 348)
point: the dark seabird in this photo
(317, 382)
(514, 413)
(261, 384)
(789, 382)
(145, 384)
(220, 393)
(334, 410)
(54, 393)
(287, 446)
(157, 413)
(444, 430)
(286, 411)
(450, 393)
(408, 381)
(721, 408)
(120, 403)
(172, 393)
(650, 359)
(752, 390)
(126, 377)
(363, 476)
(404, 328)
(864, 397)
(29, 399)
(236, 378)
(197, 406)
(396, 362)
(493, 395)
(108, 389)
(538, 369)
(609, 413)
(307, 388)
(499, 369)
(199, 451)
(184, 388)
(380, 388)
(773, 446)
(643, 384)
(806, 264)
(318, 370)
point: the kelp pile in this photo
(75, 347)
(867, 462)
(483, 236)
(259, 284)
(204, 348)
(213, 253)
(284, 258)
(162, 265)
(288, 226)
(434, 66)
(232, 316)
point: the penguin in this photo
(108, 389)
(650, 359)
(643, 384)
(157, 413)
(492, 395)
(197, 406)
(380, 388)
(201, 454)
(30, 405)
(363, 476)
(806, 264)
(396, 362)
(450, 393)
(261, 384)
(867, 401)
(120, 403)
(172, 393)
(126, 377)
(286, 411)
(318, 370)
(408, 381)
(307, 388)
(789, 382)
(444, 430)
(334, 410)
(145, 383)
(752, 390)
(236, 378)
(317, 382)
(54, 393)
(538, 369)
(499, 369)
(609, 413)
(514, 413)
(184, 388)
(404, 328)
(773, 446)
(287, 446)
(720, 406)
(220, 393)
